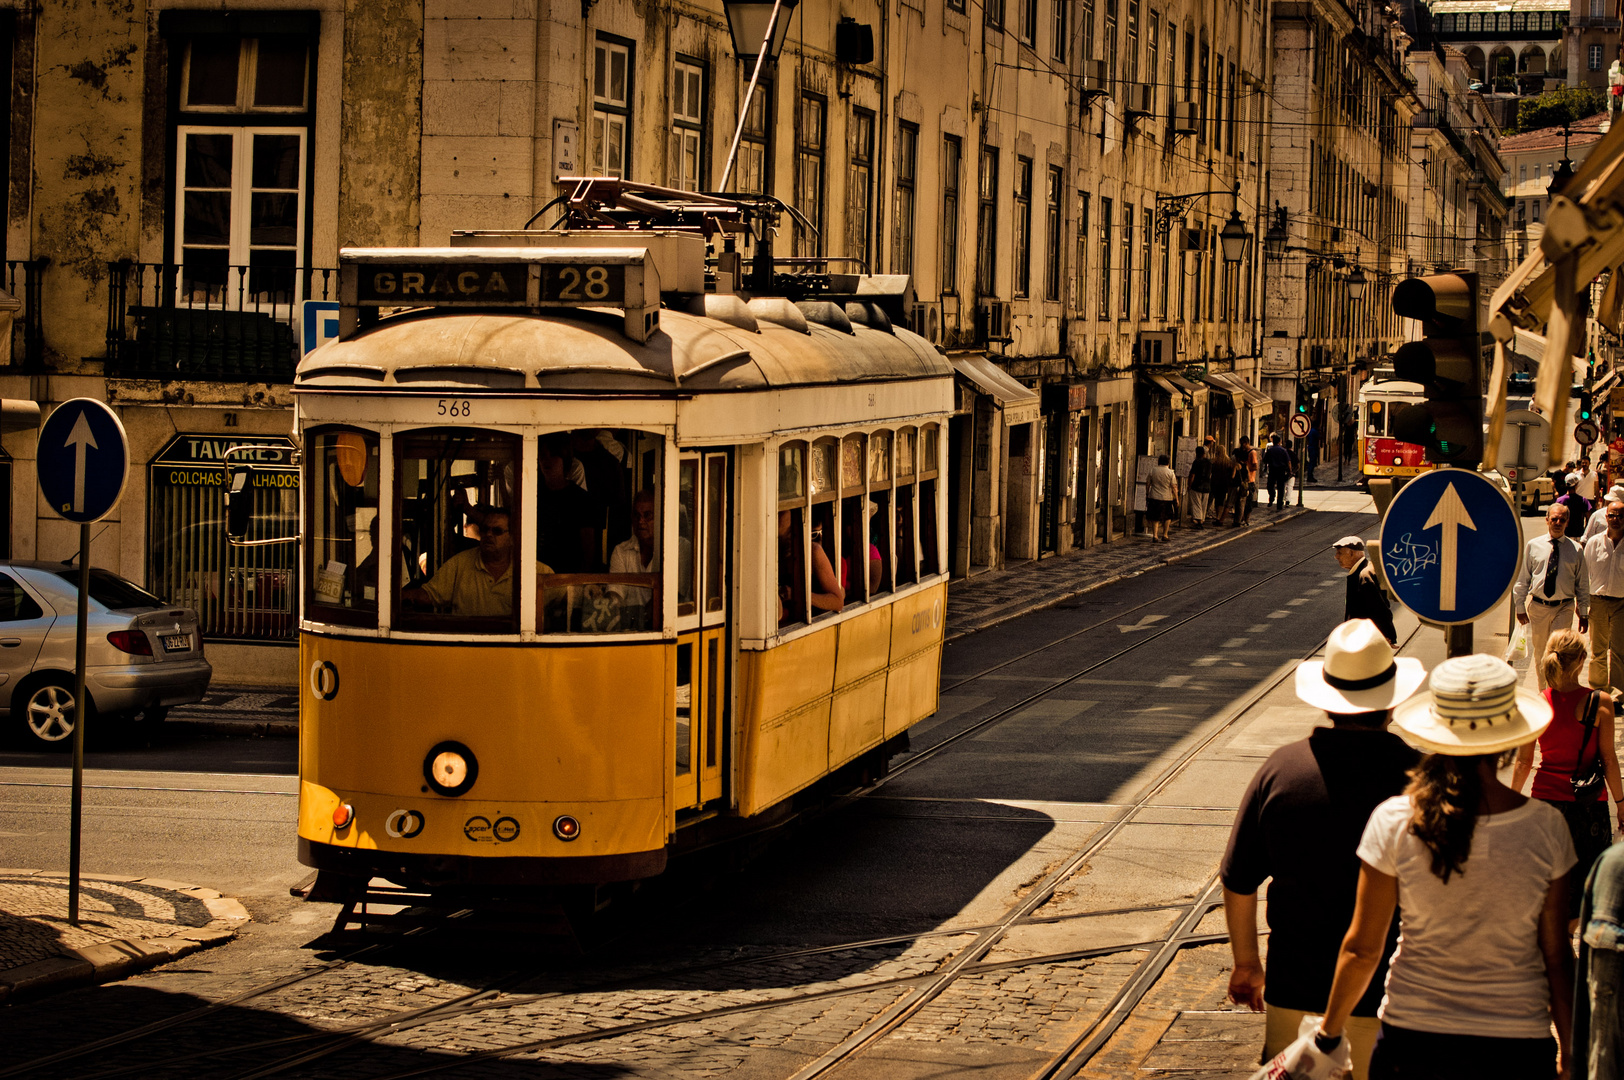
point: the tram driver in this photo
(478, 581)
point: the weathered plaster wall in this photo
(378, 181)
(87, 173)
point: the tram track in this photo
(920, 989)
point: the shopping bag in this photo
(1291, 489)
(1517, 647)
(1302, 1060)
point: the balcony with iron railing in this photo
(22, 280)
(214, 323)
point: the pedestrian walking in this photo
(1249, 461)
(1479, 876)
(1366, 600)
(1604, 572)
(1598, 515)
(1200, 487)
(1579, 507)
(1299, 824)
(1277, 470)
(1587, 479)
(1350, 440)
(1578, 765)
(1311, 452)
(1161, 499)
(1552, 585)
(1598, 1005)
(1223, 478)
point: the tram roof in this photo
(586, 352)
(1391, 386)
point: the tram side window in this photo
(860, 564)
(882, 524)
(459, 530)
(1375, 420)
(792, 607)
(823, 482)
(344, 520)
(598, 522)
(906, 549)
(929, 448)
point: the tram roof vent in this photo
(868, 313)
(678, 256)
(725, 307)
(783, 312)
(826, 313)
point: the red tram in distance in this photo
(1380, 454)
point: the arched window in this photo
(1476, 22)
(1505, 22)
(1519, 22)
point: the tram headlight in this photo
(566, 828)
(343, 814)
(450, 769)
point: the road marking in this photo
(1258, 629)
(1296, 602)
(1205, 661)
(1143, 624)
(1278, 614)
(1173, 682)
(1049, 717)
(1235, 643)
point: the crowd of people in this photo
(1222, 485)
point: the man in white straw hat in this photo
(1299, 824)
(1478, 873)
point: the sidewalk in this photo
(125, 925)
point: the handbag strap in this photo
(1592, 704)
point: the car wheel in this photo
(46, 709)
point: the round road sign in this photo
(1585, 432)
(1299, 426)
(84, 460)
(1451, 546)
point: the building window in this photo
(754, 168)
(1105, 258)
(1051, 265)
(1023, 226)
(1167, 274)
(242, 137)
(611, 106)
(1519, 22)
(1130, 66)
(1085, 26)
(1080, 271)
(1534, 209)
(240, 593)
(995, 13)
(907, 171)
(1594, 52)
(1110, 43)
(1598, 9)
(810, 120)
(688, 125)
(1504, 21)
(1147, 230)
(987, 224)
(1203, 89)
(1127, 261)
(952, 168)
(1153, 55)
(860, 188)
(1229, 141)
(1062, 30)
(1475, 23)
(1027, 31)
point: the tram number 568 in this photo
(455, 407)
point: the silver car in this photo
(142, 655)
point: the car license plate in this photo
(177, 642)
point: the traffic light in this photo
(1447, 362)
(1586, 403)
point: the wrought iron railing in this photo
(22, 280)
(226, 323)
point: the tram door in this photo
(704, 483)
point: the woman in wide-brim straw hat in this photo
(1479, 876)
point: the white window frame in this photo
(611, 115)
(239, 248)
(247, 68)
(687, 125)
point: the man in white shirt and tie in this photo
(1551, 585)
(1598, 520)
(1604, 569)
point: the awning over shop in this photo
(1226, 399)
(1174, 396)
(1020, 403)
(1194, 391)
(1250, 395)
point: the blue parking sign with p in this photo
(320, 324)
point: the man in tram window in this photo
(479, 581)
(640, 555)
(565, 536)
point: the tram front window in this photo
(458, 533)
(342, 578)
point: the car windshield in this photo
(111, 591)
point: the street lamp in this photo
(751, 21)
(1564, 168)
(1274, 241)
(1234, 238)
(1357, 283)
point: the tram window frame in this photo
(823, 495)
(854, 517)
(880, 472)
(1374, 408)
(905, 535)
(363, 612)
(479, 441)
(792, 588)
(929, 486)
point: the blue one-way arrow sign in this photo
(84, 460)
(1451, 546)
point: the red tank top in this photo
(1559, 746)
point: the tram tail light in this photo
(343, 814)
(133, 642)
(566, 828)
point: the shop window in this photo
(599, 530)
(240, 593)
(882, 524)
(343, 573)
(929, 482)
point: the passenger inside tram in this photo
(864, 583)
(567, 538)
(826, 594)
(640, 554)
(478, 581)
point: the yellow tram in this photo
(601, 558)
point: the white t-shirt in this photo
(1468, 960)
(1162, 484)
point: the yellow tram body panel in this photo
(809, 705)
(577, 731)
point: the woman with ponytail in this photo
(1479, 875)
(1578, 764)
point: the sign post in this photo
(1451, 545)
(84, 461)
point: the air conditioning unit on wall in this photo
(927, 321)
(1094, 77)
(1158, 347)
(992, 320)
(1141, 99)
(1186, 121)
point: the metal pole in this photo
(79, 711)
(750, 92)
